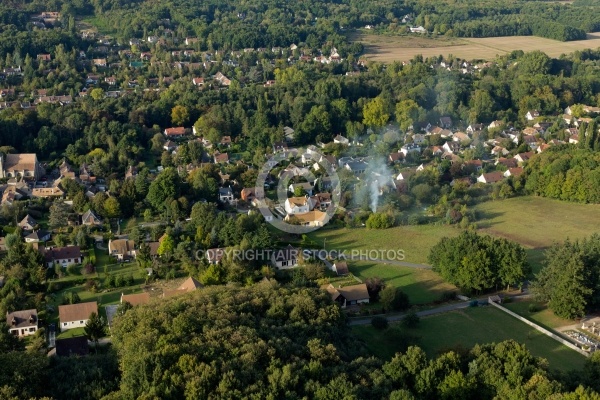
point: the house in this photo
(28, 223)
(475, 164)
(75, 346)
(491, 177)
(226, 195)
(189, 285)
(574, 139)
(110, 80)
(513, 172)
(135, 299)
(198, 81)
(26, 166)
(63, 256)
(451, 147)
(288, 133)
(221, 158)
(248, 194)
(341, 140)
(523, 157)
(285, 258)
(417, 29)
(532, 114)
(298, 205)
(122, 249)
(410, 148)
(225, 141)
(307, 187)
(499, 151)
(44, 57)
(222, 79)
(311, 218)
(37, 237)
(474, 128)
(47, 192)
(76, 315)
(495, 124)
(99, 62)
(170, 146)
(175, 132)
(419, 138)
(405, 175)
(322, 201)
(396, 157)
(446, 122)
(460, 137)
(280, 147)
(90, 219)
(22, 323)
(356, 167)
(340, 268)
(349, 295)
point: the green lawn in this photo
(544, 316)
(70, 333)
(421, 285)
(415, 241)
(469, 327)
(537, 222)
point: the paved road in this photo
(425, 313)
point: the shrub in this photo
(119, 281)
(92, 285)
(411, 320)
(89, 269)
(109, 282)
(394, 299)
(379, 322)
(72, 269)
(533, 308)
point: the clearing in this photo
(467, 328)
(404, 48)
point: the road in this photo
(425, 313)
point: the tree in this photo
(180, 115)
(59, 212)
(375, 114)
(95, 329)
(165, 186)
(112, 208)
(407, 113)
(167, 245)
(97, 94)
(394, 299)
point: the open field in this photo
(404, 48)
(421, 285)
(543, 317)
(469, 327)
(537, 222)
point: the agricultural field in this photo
(467, 328)
(403, 48)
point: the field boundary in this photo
(545, 331)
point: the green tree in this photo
(375, 114)
(166, 186)
(95, 329)
(180, 115)
(394, 299)
(59, 212)
(167, 245)
(97, 94)
(112, 208)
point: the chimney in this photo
(14, 321)
(31, 319)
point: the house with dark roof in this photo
(340, 268)
(22, 323)
(28, 223)
(37, 237)
(90, 219)
(491, 177)
(76, 315)
(349, 295)
(63, 256)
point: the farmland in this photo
(404, 48)
(467, 328)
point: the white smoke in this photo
(379, 178)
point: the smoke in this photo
(379, 179)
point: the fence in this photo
(543, 330)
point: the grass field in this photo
(421, 285)
(543, 317)
(469, 327)
(404, 48)
(537, 222)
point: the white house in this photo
(532, 114)
(492, 177)
(410, 148)
(226, 195)
(22, 323)
(76, 315)
(341, 140)
(63, 256)
(285, 258)
(417, 29)
(298, 205)
(122, 249)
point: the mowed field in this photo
(404, 48)
(467, 328)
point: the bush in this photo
(119, 281)
(70, 298)
(89, 269)
(533, 308)
(92, 285)
(72, 269)
(411, 320)
(379, 221)
(394, 299)
(380, 322)
(109, 282)
(447, 296)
